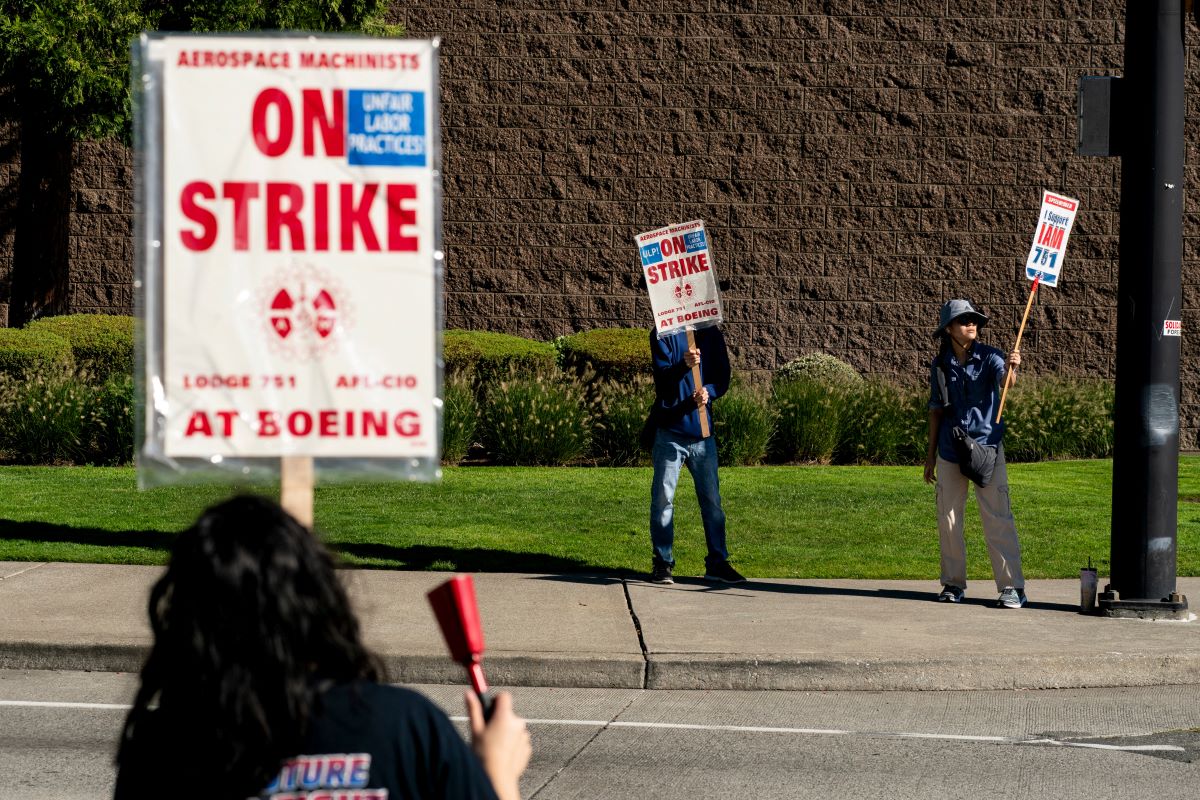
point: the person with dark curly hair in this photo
(258, 684)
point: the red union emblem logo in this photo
(281, 318)
(305, 310)
(326, 311)
(320, 313)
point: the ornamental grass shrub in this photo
(101, 344)
(1048, 417)
(808, 420)
(460, 419)
(33, 352)
(882, 424)
(47, 417)
(536, 421)
(111, 437)
(619, 410)
(744, 422)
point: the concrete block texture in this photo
(839, 154)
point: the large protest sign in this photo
(1055, 219)
(289, 251)
(678, 268)
(684, 293)
(1044, 264)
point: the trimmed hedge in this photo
(101, 344)
(33, 352)
(485, 358)
(617, 354)
(819, 367)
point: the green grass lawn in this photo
(801, 522)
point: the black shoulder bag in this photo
(975, 460)
(649, 429)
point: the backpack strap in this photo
(941, 372)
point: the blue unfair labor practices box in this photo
(386, 129)
(695, 241)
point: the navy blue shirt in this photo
(675, 409)
(974, 393)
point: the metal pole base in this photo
(1174, 606)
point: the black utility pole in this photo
(1148, 132)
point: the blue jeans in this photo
(672, 451)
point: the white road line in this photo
(22, 571)
(949, 737)
(683, 726)
(48, 704)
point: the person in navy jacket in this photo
(679, 442)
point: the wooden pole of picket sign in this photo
(696, 380)
(296, 488)
(1017, 346)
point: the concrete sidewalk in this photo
(580, 631)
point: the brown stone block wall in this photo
(854, 169)
(101, 229)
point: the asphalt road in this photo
(57, 732)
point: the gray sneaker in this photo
(661, 572)
(1011, 598)
(950, 594)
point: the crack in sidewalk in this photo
(637, 626)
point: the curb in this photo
(81, 657)
(963, 674)
(680, 672)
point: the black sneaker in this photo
(950, 594)
(661, 572)
(722, 571)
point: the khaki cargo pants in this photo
(999, 527)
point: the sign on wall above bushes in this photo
(290, 253)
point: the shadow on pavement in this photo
(11, 530)
(471, 559)
(758, 586)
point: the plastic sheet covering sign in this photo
(1055, 219)
(300, 246)
(680, 277)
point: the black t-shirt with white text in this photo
(373, 742)
(366, 742)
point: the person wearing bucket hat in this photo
(966, 378)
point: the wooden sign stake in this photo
(696, 381)
(1017, 346)
(296, 488)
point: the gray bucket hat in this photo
(953, 309)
